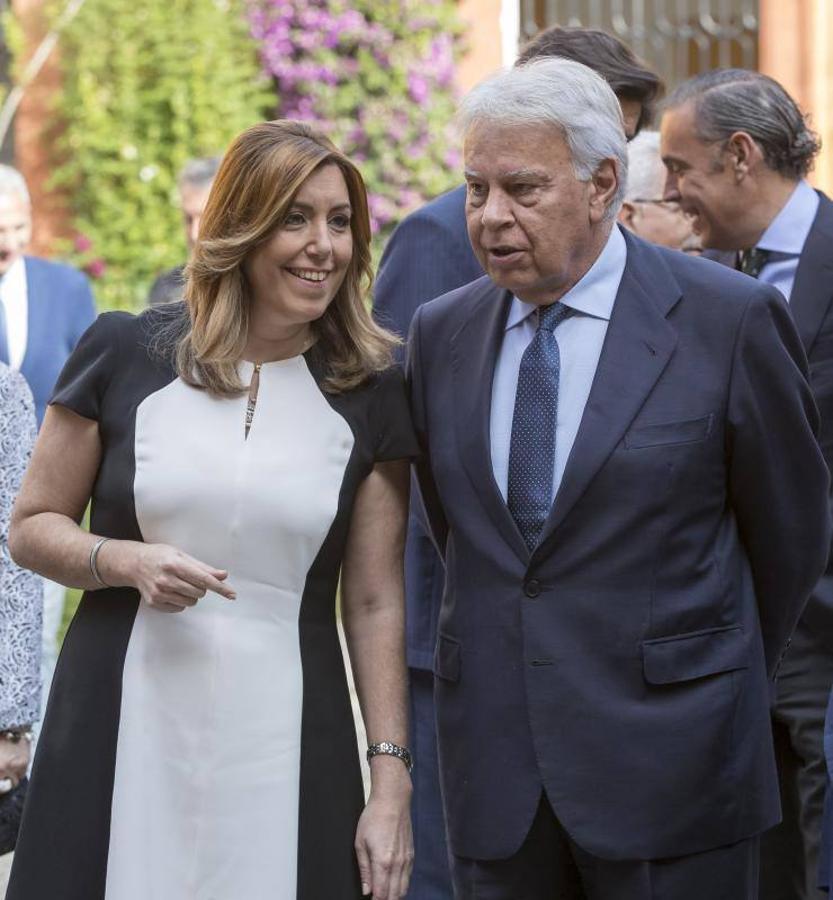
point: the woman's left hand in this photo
(384, 843)
(14, 760)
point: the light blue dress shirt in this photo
(785, 238)
(580, 339)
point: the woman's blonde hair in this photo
(254, 189)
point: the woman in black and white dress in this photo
(242, 452)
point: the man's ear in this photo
(742, 154)
(604, 184)
(627, 214)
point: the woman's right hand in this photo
(14, 760)
(166, 578)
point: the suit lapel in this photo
(474, 351)
(813, 288)
(638, 345)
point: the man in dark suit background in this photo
(45, 307)
(194, 185)
(428, 255)
(737, 149)
(622, 473)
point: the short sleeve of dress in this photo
(395, 436)
(86, 374)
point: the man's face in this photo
(661, 221)
(701, 178)
(192, 199)
(533, 225)
(15, 228)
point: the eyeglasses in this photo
(670, 205)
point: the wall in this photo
(796, 48)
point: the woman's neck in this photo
(271, 344)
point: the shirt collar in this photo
(788, 231)
(14, 278)
(594, 293)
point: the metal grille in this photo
(677, 38)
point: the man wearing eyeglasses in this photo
(644, 211)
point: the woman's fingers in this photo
(205, 577)
(364, 867)
(160, 606)
(381, 865)
(168, 571)
(405, 873)
(170, 600)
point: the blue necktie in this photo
(751, 262)
(4, 336)
(532, 447)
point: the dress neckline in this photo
(246, 367)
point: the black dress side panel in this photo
(331, 791)
(64, 840)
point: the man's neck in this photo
(770, 196)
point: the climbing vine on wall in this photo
(377, 75)
(144, 87)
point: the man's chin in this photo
(504, 279)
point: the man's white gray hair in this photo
(646, 172)
(199, 173)
(565, 94)
(12, 182)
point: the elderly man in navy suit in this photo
(622, 474)
(45, 307)
(738, 150)
(428, 255)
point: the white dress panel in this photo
(205, 801)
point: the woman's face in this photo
(297, 271)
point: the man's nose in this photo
(497, 210)
(671, 190)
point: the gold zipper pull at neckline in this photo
(254, 386)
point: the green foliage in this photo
(377, 75)
(13, 38)
(145, 86)
(73, 598)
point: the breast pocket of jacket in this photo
(666, 434)
(688, 657)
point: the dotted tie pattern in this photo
(752, 261)
(532, 447)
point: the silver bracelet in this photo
(94, 561)
(388, 748)
(16, 735)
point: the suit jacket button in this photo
(532, 588)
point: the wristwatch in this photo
(388, 748)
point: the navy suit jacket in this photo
(427, 255)
(61, 308)
(625, 665)
(811, 303)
